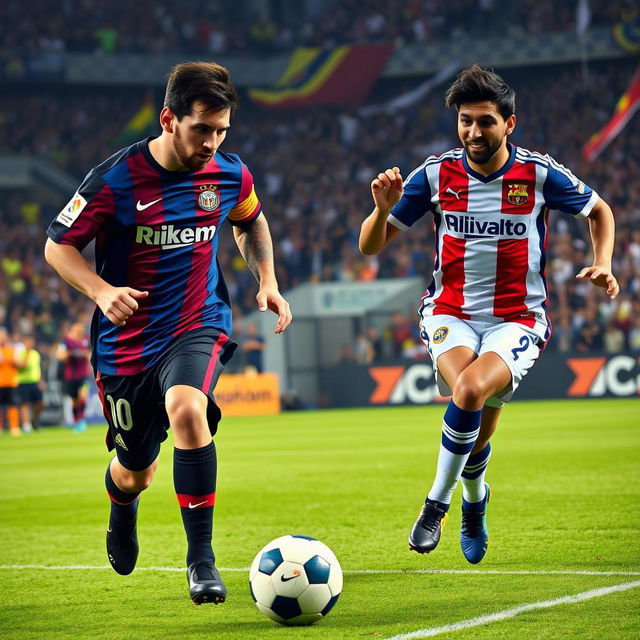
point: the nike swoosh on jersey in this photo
(198, 504)
(142, 207)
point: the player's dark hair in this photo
(478, 85)
(205, 81)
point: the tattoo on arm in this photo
(256, 247)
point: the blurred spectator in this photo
(30, 384)
(589, 336)
(613, 339)
(73, 351)
(376, 343)
(363, 349)
(8, 385)
(252, 346)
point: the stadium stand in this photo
(313, 167)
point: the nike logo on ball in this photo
(295, 575)
(198, 504)
(142, 207)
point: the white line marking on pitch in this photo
(510, 613)
(350, 571)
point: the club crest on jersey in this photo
(208, 198)
(517, 194)
(440, 334)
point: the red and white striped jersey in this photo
(491, 233)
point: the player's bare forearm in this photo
(256, 247)
(117, 303)
(602, 230)
(376, 232)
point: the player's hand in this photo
(387, 189)
(601, 277)
(271, 299)
(119, 303)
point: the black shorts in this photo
(134, 405)
(72, 387)
(9, 396)
(29, 393)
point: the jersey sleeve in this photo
(248, 207)
(415, 201)
(91, 206)
(564, 192)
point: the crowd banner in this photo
(555, 375)
(246, 394)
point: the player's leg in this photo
(124, 487)
(516, 348)
(453, 346)
(187, 377)
(194, 476)
(474, 534)
(25, 408)
(37, 405)
(80, 405)
(67, 402)
(137, 423)
(476, 379)
(13, 412)
(473, 474)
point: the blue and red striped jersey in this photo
(76, 366)
(157, 231)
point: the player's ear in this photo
(167, 118)
(511, 124)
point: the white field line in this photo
(510, 613)
(87, 567)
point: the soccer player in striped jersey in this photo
(162, 325)
(484, 317)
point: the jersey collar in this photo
(496, 174)
(144, 148)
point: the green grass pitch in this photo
(564, 474)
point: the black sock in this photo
(194, 478)
(124, 506)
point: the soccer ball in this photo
(295, 580)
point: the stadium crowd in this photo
(242, 27)
(313, 169)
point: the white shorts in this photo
(515, 343)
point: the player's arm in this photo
(376, 232)
(602, 230)
(256, 247)
(117, 303)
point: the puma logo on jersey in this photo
(168, 236)
(468, 225)
(453, 193)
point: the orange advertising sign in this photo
(248, 394)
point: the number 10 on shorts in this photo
(120, 413)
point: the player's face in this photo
(482, 130)
(198, 136)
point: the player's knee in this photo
(136, 481)
(186, 416)
(470, 392)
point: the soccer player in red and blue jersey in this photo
(161, 330)
(483, 317)
(74, 352)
